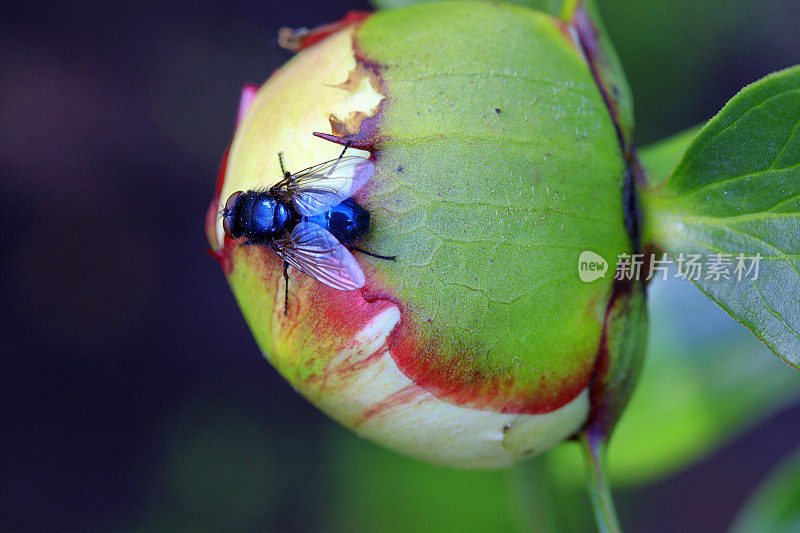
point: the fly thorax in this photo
(282, 217)
(266, 216)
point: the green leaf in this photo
(658, 159)
(734, 199)
(705, 379)
(775, 506)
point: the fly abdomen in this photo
(345, 221)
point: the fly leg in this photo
(346, 146)
(387, 257)
(285, 173)
(286, 288)
(287, 176)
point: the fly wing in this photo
(316, 252)
(318, 188)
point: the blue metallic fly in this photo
(308, 219)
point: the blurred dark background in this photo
(134, 397)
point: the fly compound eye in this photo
(228, 215)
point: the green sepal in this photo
(734, 200)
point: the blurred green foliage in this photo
(373, 485)
(658, 159)
(379, 490)
(775, 506)
(218, 469)
(705, 379)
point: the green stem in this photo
(594, 450)
(535, 493)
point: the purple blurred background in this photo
(122, 344)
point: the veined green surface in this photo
(499, 165)
(549, 6)
(584, 16)
(737, 191)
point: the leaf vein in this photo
(781, 254)
(423, 139)
(767, 215)
(715, 184)
(774, 312)
(780, 203)
(473, 75)
(785, 146)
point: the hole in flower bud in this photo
(365, 88)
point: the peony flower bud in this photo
(497, 163)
